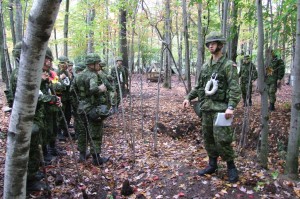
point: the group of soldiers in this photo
(218, 89)
(274, 75)
(89, 95)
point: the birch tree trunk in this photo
(263, 153)
(66, 28)
(2, 55)
(186, 45)
(200, 41)
(32, 58)
(19, 18)
(167, 79)
(292, 163)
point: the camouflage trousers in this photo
(34, 152)
(91, 133)
(51, 120)
(244, 89)
(217, 140)
(272, 89)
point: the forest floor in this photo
(170, 170)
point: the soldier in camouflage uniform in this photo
(64, 78)
(90, 91)
(49, 86)
(33, 174)
(275, 72)
(223, 97)
(247, 74)
(119, 77)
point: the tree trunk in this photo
(179, 46)
(12, 21)
(235, 29)
(167, 79)
(263, 153)
(30, 70)
(200, 41)
(66, 28)
(186, 45)
(56, 47)
(90, 20)
(224, 18)
(2, 55)
(19, 18)
(123, 38)
(292, 163)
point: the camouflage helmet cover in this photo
(49, 53)
(70, 63)
(119, 59)
(17, 50)
(80, 66)
(63, 59)
(214, 36)
(92, 58)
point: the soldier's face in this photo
(47, 64)
(63, 66)
(97, 66)
(212, 47)
(119, 63)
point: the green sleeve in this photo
(281, 69)
(234, 90)
(93, 84)
(254, 72)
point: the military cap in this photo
(214, 36)
(63, 59)
(92, 58)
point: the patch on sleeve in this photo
(234, 64)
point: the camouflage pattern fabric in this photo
(247, 70)
(274, 73)
(217, 140)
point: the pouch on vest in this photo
(197, 107)
(99, 113)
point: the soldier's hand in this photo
(45, 75)
(58, 102)
(102, 88)
(228, 113)
(62, 76)
(186, 103)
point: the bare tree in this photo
(66, 28)
(168, 62)
(200, 40)
(32, 58)
(90, 18)
(292, 163)
(186, 44)
(263, 153)
(123, 37)
(18, 20)
(12, 21)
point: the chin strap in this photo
(214, 82)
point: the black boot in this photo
(272, 107)
(211, 168)
(36, 185)
(233, 175)
(82, 157)
(250, 101)
(54, 151)
(39, 175)
(97, 160)
(47, 156)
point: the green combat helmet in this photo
(102, 64)
(92, 58)
(214, 36)
(70, 63)
(80, 66)
(63, 59)
(17, 50)
(119, 59)
(49, 53)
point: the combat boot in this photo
(272, 107)
(39, 175)
(54, 151)
(82, 157)
(233, 175)
(36, 185)
(250, 101)
(97, 160)
(211, 168)
(47, 156)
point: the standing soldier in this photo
(275, 72)
(119, 77)
(248, 74)
(222, 97)
(89, 91)
(64, 78)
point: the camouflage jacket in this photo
(85, 86)
(245, 70)
(275, 71)
(228, 93)
(122, 76)
(65, 93)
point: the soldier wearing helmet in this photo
(217, 91)
(119, 75)
(89, 91)
(247, 74)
